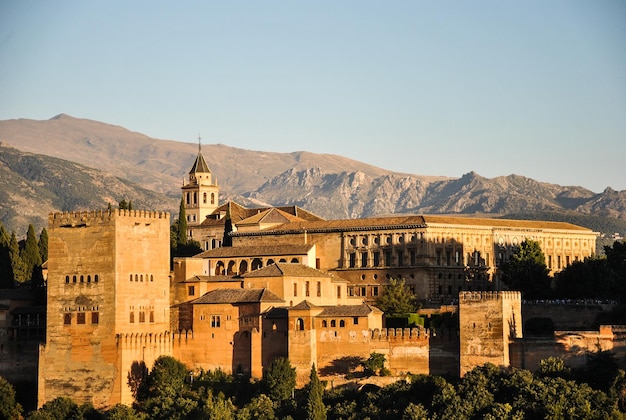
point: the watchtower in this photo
(108, 303)
(489, 322)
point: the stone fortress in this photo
(291, 285)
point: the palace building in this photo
(291, 285)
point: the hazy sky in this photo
(535, 88)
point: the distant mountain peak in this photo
(60, 116)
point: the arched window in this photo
(187, 199)
(300, 324)
(256, 264)
(151, 277)
(131, 277)
(136, 277)
(195, 197)
(243, 267)
(219, 268)
(88, 278)
(67, 279)
(82, 279)
(324, 324)
(342, 323)
(333, 323)
(282, 260)
(294, 261)
(212, 198)
(231, 268)
(204, 198)
(141, 277)
(95, 278)
(270, 261)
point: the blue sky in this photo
(535, 88)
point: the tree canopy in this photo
(396, 299)
(526, 271)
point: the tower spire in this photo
(199, 144)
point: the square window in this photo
(80, 318)
(95, 317)
(67, 319)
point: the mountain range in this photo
(68, 163)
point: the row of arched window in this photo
(75, 278)
(139, 277)
(222, 269)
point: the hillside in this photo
(121, 163)
(32, 185)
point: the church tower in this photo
(200, 192)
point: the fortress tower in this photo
(489, 322)
(108, 304)
(200, 193)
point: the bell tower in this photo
(200, 192)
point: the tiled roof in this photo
(255, 251)
(274, 313)
(238, 296)
(286, 270)
(239, 213)
(199, 165)
(272, 215)
(477, 221)
(408, 221)
(212, 279)
(348, 310)
(304, 305)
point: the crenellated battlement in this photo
(88, 218)
(383, 334)
(484, 296)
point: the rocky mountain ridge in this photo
(329, 185)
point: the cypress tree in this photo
(130, 205)
(228, 228)
(17, 265)
(43, 245)
(30, 254)
(6, 271)
(123, 205)
(109, 209)
(182, 224)
(315, 408)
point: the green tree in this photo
(6, 269)
(30, 253)
(279, 380)
(315, 408)
(9, 408)
(396, 299)
(374, 364)
(43, 245)
(259, 408)
(591, 278)
(227, 240)
(123, 205)
(181, 230)
(526, 271)
(58, 408)
(121, 412)
(18, 267)
(130, 205)
(217, 407)
(553, 367)
(164, 394)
